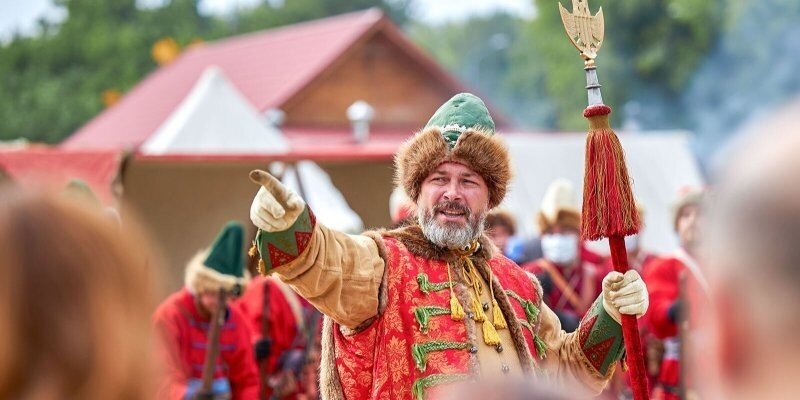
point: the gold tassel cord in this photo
(497, 314)
(456, 310)
(472, 278)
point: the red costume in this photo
(184, 333)
(663, 280)
(586, 281)
(285, 313)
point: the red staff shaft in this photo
(630, 327)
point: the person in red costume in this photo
(183, 320)
(277, 320)
(571, 275)
(414, 310)
(673, 281)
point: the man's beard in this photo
(450, 235)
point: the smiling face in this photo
(452, 205)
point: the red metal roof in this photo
(53, 168)
(268, 67)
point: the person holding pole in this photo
(412, 310)
(206, 344)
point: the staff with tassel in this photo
(609, 209)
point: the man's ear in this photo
(732, 334)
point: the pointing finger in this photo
(272, 184)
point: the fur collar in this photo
(415, 241)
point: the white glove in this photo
(625, 294)
(275, 207)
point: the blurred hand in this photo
(262, 348)
(275, 207)
(625, 294)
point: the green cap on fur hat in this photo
(460, 131)
(462, 112)
(226, 255)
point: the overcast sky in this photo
(23, 14)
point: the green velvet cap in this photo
(226, 255)
(462, 112)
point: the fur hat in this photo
(557, 207)
(221, 266)
(460, 131)
(688, 196)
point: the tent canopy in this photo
(215, 119)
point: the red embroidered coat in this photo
(183, 333)
(408, 346)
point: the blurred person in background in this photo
(500, 227)
(754, 267)
(279, 322)
(183, 322)
(75, 299)
(570, 274)
(401, 208)
(677, 284)
(508, 389)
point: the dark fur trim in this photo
(481, 151)
(383, 296)
(330, 385)
(414, 240)
(565, 217)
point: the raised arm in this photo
(339, 274)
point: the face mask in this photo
(631, 243)
(560, 248)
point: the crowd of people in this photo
(446, 303)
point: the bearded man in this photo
(412, 310)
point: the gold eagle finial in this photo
(584, 30)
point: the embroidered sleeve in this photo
(601, 338)
(280, 248)
(339, 274)
(585, 357)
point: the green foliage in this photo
(651, 50)
(478, 51)
(53, 83)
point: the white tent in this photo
(661, 164)
(215, 118)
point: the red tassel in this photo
(609, 208)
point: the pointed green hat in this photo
(463, 111)
(226, 255)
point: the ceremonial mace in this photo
(609, 209)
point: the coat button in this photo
(506, 369)
(485, 306)
(499, 348)
(473, 349)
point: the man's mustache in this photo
(452, 206)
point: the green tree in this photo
(53, 82)
(270, 14)
(476, 50)
(651, 50)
